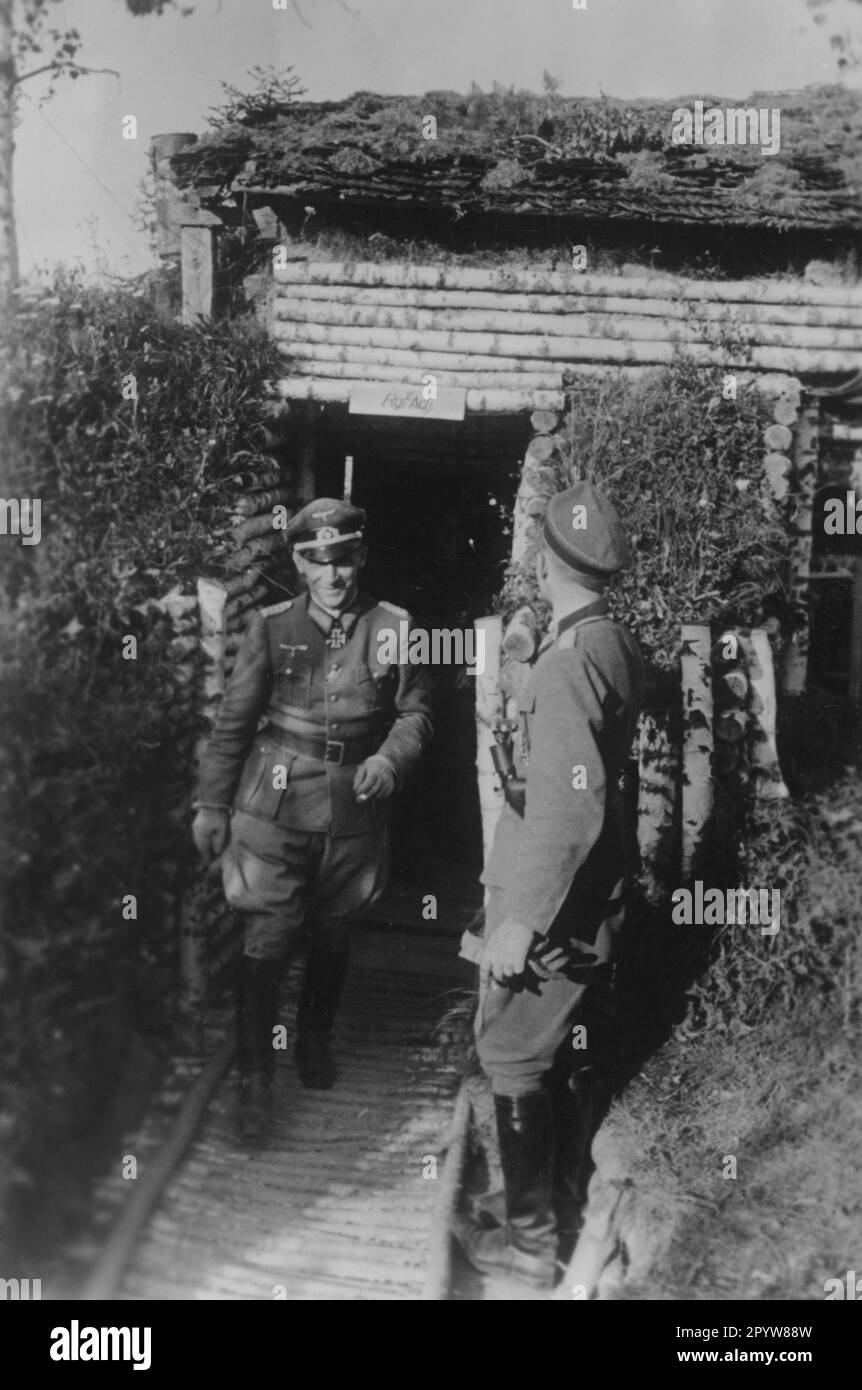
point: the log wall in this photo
(252, 573)
(507, 336)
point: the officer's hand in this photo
(505, 952)
(374, 780)
(210, 832)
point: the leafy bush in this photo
(685, 468)
(95, 765)
(811, 852)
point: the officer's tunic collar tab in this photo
(324, 619)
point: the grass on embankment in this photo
(764, 1080)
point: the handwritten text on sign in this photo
(408, 402)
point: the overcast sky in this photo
(77, 178)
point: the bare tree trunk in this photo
(8, 243)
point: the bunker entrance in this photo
(439, 497)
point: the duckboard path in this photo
(339, 1203)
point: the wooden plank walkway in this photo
(335, 1206)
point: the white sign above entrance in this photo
(408, 401)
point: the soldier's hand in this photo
(210, 832)
(505, 952)
(374, 780)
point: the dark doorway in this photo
(439, 498)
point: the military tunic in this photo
(305, 705)
(561, 870)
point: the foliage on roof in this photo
(521, 152)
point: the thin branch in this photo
(354, 14)
(300, 15)
(58, 67)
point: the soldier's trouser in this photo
(277, 878)
(518, 1033)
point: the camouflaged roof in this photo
(521, 153)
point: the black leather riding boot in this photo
(256, 1008)
(574, 1118)
(322, 986)
(526, 1246)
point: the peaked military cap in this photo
(326, 530)
(582, 528)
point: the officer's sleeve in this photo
(411, 732)
(566, 790)
(245, 698)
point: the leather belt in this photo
(328, 750)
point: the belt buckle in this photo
(333, 743)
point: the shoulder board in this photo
(393, 608)
(276, 608)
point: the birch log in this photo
(530, 501)
(253, 503)
(495, 402)
(658, 767)
(732, 687)
(731, 695)
(567, 349)
(198, 261)
(730, 726)
(507, 279)
(240, 584)
(520, 641)
(193, 914)
(549, 380)
(631, 327)
(607, 1203)
(542, 447)
(544, 421)
(363, 355)
(490, 706)
(550, 305)
(778, 438)
(320, 357)
(212, 597)
(251, 478)
(767, 780)
(697, 790)
(256, 526)
(795, 662)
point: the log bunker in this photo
(457, 301)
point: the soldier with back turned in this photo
(557, 872)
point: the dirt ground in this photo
(743, 1141)
(736, 1136)
(746, 1160)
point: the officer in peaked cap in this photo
(326, 530)
(556, 872)
(314, 734)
